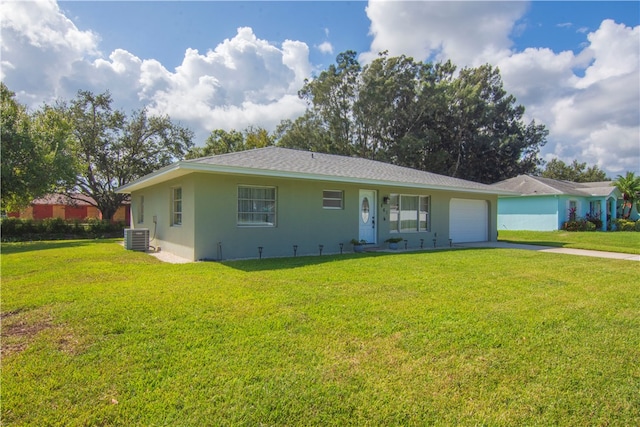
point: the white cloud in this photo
(589, 100)
(468, 33)
(241, 82)
(39, 47)
(326, 48)
(616, 50)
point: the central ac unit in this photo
(136, 239)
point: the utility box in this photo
(136, 239)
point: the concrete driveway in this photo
(569, 251)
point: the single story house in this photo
(80, 208)
(281, 202)
(544, 204)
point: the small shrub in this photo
(595, 220)
(579, 224)
(627, 225)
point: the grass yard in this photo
(96, 335)
(618, 241)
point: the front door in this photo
(367, 216)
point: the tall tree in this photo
(305, 133)
(629, 186)
(35, 152)
(331, 96)
(419, 115)
(575, 172)
(485, 134)
(220, 141)
(113, 150)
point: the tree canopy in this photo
(36, 154)
(112, 149)
(222, 142)
(575, 172)
(416, 114)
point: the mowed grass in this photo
(618, 241)
(96, 335)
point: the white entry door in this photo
(367, 216)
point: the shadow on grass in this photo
(536, 243)
(285, 263)
(20, 247)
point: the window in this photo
(176, 206)
(256, 206)
(332, 199)
(408, 213)
(140, 209)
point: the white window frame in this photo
(421, 213)
(176, 206)
(326, 198)
(255, 207)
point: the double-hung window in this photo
(176, 206)
(408, 213)
(256, 206)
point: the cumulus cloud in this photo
(40, 46)
(468, 33)
(589, 99)
(326, 48)
(243, 81)
(594, 118)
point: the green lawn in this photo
(618, 241)
(96, 335)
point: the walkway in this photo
(569, 251)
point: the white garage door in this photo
(468, 220)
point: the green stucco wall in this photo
(209, 229)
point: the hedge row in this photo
(581, 224)
(16, 229)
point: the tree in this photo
(112, 150)
(484, 134)
(575, 172)
(331, 96)
(419, 115)
(35, 152)
(222, 142)
(629, 186)
(305, 133)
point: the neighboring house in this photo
(59, 206)
(276, 202)
(544, 204)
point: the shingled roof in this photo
(528, 185)
(289, 163)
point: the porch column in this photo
(612, 211)
(603, 214)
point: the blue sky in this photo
(574, 65)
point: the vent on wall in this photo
(136, 239)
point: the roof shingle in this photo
(330, 165)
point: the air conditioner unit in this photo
(136, 239)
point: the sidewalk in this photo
(568, 251)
